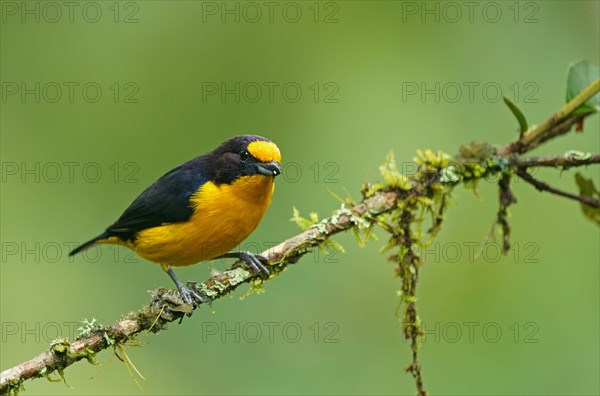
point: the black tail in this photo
(88, 244)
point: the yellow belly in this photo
(223, 217)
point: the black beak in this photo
(268, 168)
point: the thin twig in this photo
(569, 160)
(408, 269)
(541, 186)
(506, 198)
(560, 122)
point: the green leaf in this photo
(587, 189)
(581, 75)
(518, 114)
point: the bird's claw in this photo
(255, 263)
(188, 295)
(192, 297)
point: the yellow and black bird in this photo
(201, 209)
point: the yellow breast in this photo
(223, 217)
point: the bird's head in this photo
(246, 155)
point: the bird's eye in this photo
(244, 154)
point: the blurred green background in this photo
(132, 89)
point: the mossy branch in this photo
(166, 305)
(399, 206)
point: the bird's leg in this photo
(254, 261)
(188, 295)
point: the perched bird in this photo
(201, 209)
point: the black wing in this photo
(165, 201)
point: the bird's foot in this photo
(255, 262)
(192, 297)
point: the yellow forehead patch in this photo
(264, 151)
